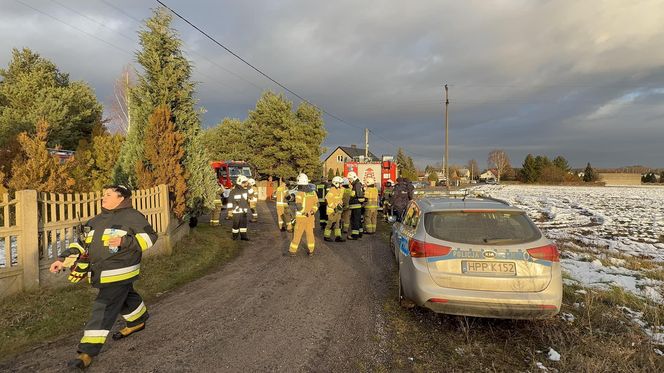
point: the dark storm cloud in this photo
(579, 79)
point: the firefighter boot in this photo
(127, 331)
(81, 362)
(340, 239)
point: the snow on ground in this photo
(597, 229)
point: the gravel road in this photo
(264, 311)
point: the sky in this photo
(581, 79)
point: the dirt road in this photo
(262, 312)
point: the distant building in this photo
(343, 154)
(488, 176)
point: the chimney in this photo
(353, 146)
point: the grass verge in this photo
(596, 334)
(28, 319)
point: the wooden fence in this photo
(36, 227)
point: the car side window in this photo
(412, 216)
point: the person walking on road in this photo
(371, 206)
(355, 204)
(345, 214)
(238, 207)
(252, 194)
(321, 192)
(334, 199)
(401, 196)
(109, 253)
(306, 202)
(283, 211)
(386, 198)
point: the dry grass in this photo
(600, 339)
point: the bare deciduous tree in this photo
(499, 160)
(120, 118)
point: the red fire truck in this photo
(379, 171)
(228, 171)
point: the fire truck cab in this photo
(228, 171)
(380, 171)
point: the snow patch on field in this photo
(598, 230)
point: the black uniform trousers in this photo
(239, 225)
(322, 214)
(356, 222)
(111, 301)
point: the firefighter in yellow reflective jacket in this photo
(283, 211)
(334, 199)
(216, 212)
(253, 199)
(370, 207)
(306, 202)
(345, 214)
(109, 253)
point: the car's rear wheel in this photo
(403, 301)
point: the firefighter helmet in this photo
(251, 182)
(337, 181)
(302, 179)
(241, 179)
(389, 183)
(370, 181)
(352, 176)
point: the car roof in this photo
(428, 204)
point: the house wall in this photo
(331, 162)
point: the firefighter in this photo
(283, 210)
(345, 214)
(401, 195)
(321, 192)
(216, 212)
(238, 207)
(109, 253)
(306, 202)
(386, 198)
(334, 199)
(252, 194)
(355, 204)
(371, 206)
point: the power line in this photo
(74, 27)
(261, 72)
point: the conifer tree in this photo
(561, 163)
(529, 170)
(166, 80)
(94, 160)
(589, 174)
(229, 140)
(33, 89)
(162, 163)
(35, 168)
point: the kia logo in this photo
(489, 254)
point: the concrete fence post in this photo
(28, 245)
(165, 216)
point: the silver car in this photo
(475, 256)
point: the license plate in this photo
(503, 268)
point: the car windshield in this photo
(493, 228)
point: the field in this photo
(608, 237)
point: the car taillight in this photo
(420, 249)
(548, 253)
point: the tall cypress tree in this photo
(166, 80)
(529, 170)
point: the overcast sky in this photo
(582, 79)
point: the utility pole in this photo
(366, 144)
(446, 160)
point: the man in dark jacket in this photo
(401, 195)
(109, 253)
(355, 205)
